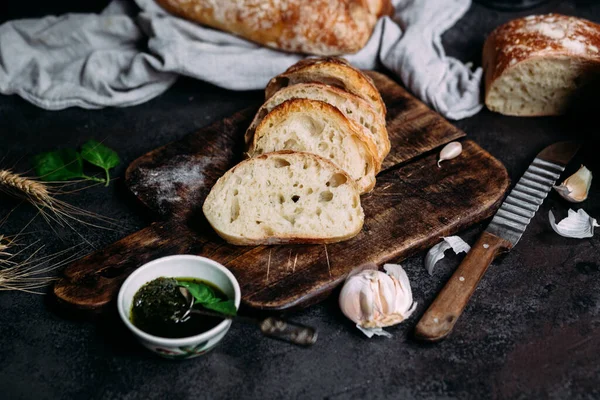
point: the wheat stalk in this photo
(29, 275)
(4, 245)
(43, 197)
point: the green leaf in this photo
(224, 307)
(202, 293)
(205, 296)
(60, 165)
(101, 156)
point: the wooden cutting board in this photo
(413, 205)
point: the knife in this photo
(501, 235)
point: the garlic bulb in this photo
(450, 151)
(374, 299)
(576, 187)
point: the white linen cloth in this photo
(127, 55)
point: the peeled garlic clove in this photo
(373, 299)
(450, 151)
(576, 187)
(436, 253)
(578, 225)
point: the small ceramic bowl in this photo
(187, 266)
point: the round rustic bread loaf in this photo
(542, 65)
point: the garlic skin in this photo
(450, 151)
(436, 253)
(373, 299)
(578, 225)
(576, 187)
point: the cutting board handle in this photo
(91, 283)
(442, 314)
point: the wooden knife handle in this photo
(440, 317)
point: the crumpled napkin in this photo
(127, 55)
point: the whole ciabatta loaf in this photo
(319, 128)
(331, 71)
(353, 107)
(321, 27)
(542, 65)
(284, 197)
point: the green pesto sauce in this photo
(158, 305)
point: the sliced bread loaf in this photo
(284, 197)
(353, 107)
(542, 65)
(331, 71)
(317, 127)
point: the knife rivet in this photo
(436, 320)
(462, 279)
(485, 245)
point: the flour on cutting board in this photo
(168, 182)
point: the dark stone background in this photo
(532, 329)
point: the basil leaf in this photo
(224, 307)
(202, 293)
(205, 297)
(60, 165)
(101, 156)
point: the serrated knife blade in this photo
(502, 234)
(523, 201)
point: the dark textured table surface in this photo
(532, 329)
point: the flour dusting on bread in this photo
(322, 27)
(541, 65)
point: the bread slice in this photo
(331, 71)
(316, 127)
(542, 65)
(353, 107)
(284, 197)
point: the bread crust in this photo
(289, 107)
(283, 238)
(333, 71)
(539, 37)
(294, 91)
(320, 27)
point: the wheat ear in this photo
(21, 186)
(42, 197)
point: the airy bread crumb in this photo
(316, 127)
(284, 197)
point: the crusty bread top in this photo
(381, 8)
(322, 27)
(357, 110)
(538, 36)
(331, 71)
